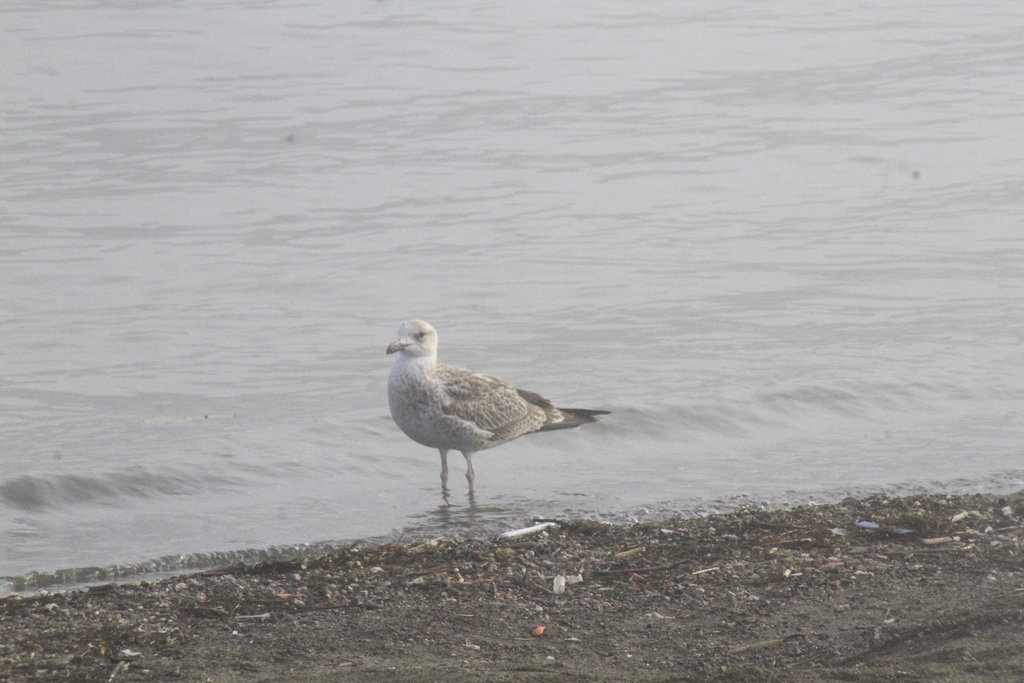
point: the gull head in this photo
(416, 339)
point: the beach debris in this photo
(629, 553)
(121, 664)
(538, 632)
(874, 526)
(123, 658)
(536, 528)
(422, 547)
(561, 581)
(940, 540)
(704, 571)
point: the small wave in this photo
(665, 421)
(853, 399)
(741, 414)
(34, 493)
(827, 398)
(162, 567)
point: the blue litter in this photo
(867, 525)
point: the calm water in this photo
(783, 244)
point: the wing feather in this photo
(489, 403)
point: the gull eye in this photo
(419, 336)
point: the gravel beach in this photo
(922, 588)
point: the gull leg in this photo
(470, 475)
(444, 468)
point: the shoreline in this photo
(920, 587)
(74, 578)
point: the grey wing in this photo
(489, 403)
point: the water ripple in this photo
(59, 491)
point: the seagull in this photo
(451, 408)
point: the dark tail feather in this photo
(571, 417)
(574, 417)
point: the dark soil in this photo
(932, 589)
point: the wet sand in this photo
(916, 588)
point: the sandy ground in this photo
(921, 588)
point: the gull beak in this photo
(398, 346)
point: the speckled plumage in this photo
(452, 408)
